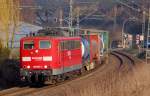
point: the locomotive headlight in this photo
(45, 66)
(36, 51)
(28, 67)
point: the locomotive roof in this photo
(49, 37)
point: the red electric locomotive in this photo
(53, 57)
(43, 57)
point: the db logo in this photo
(69, 53)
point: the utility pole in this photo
(70, 17)
(148, 41)
(61, 18)
(143, 24)
(143, 28)
(115, 20)
(78, 21)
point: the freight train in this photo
(51, 58)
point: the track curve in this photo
(126, 61)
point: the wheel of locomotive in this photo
(33, 78)
(41, 78)
(27, 79)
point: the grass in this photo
(134, 82)
(123, 82)
(119, 84)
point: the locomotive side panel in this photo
(70, 55)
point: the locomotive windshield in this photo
(28, 44)
(45, 44)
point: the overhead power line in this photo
(138, 10)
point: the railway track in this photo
(120, 60)
(126, 62)
(127, 56)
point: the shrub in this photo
(9, 68)
(4, 52)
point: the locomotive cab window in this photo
(28, 44)
(45, 44)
